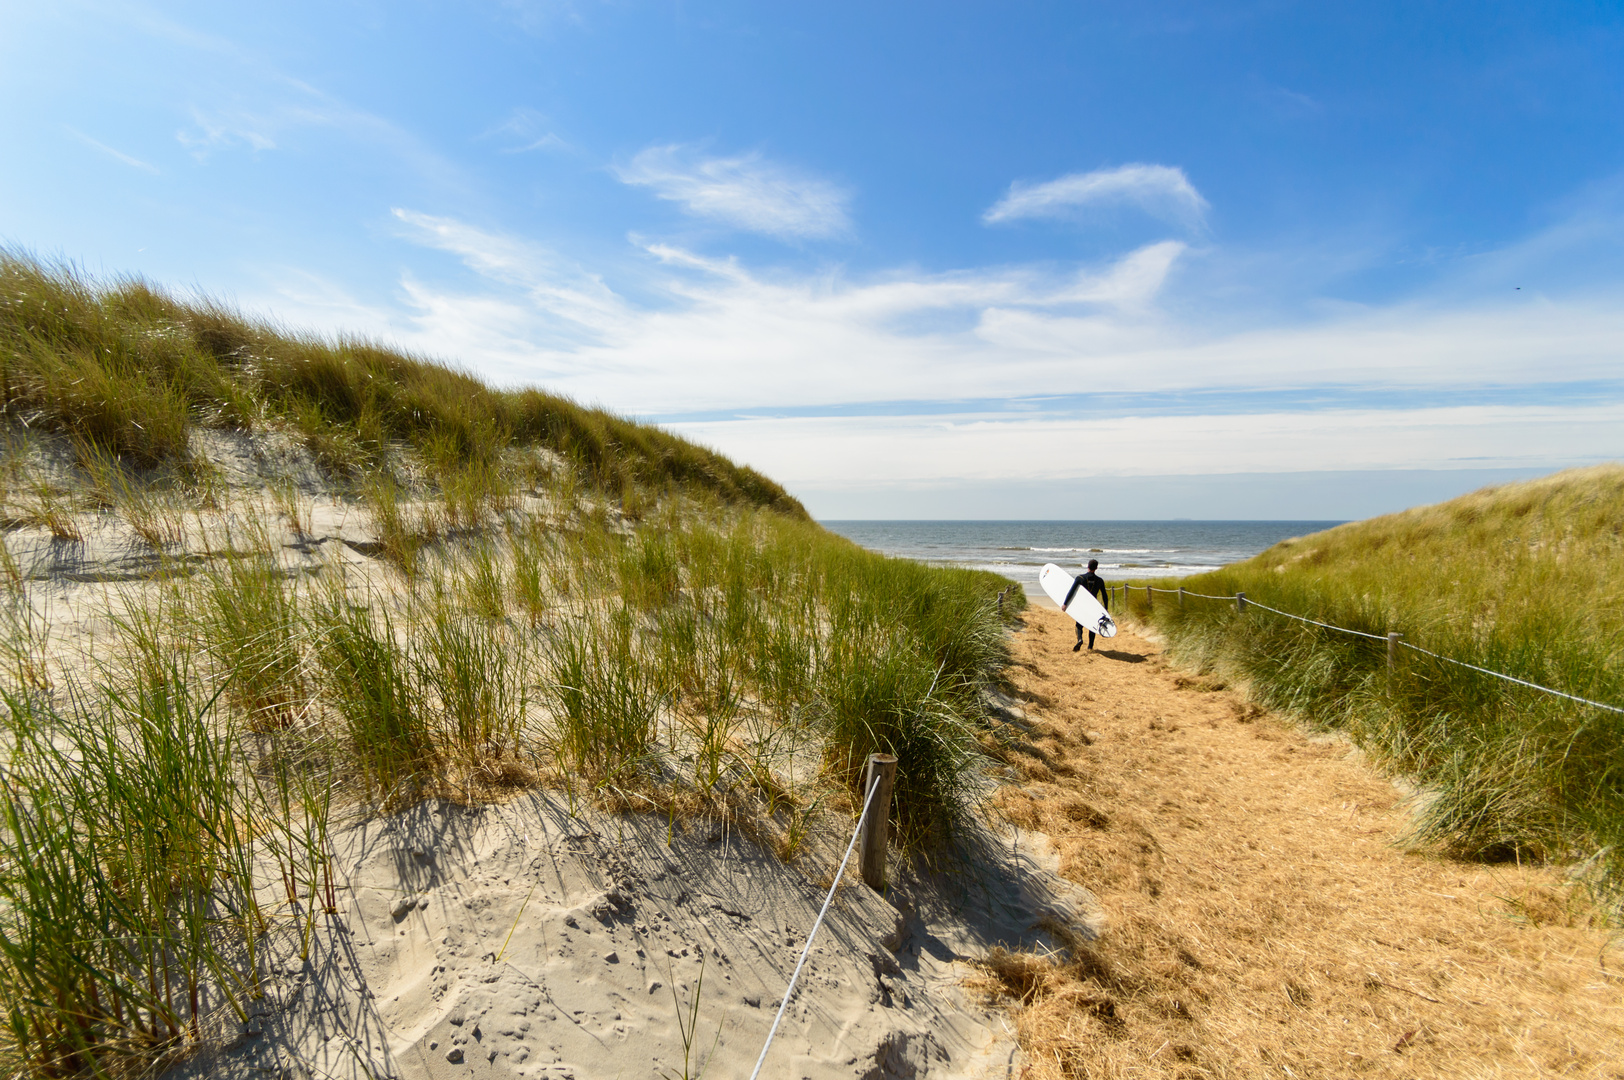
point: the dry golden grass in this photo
(1548, 548)
(1263, 920)
(1524, 579)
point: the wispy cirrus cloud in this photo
(116, 155)
(745, 191)
(276, 115)
(1161, 191)
(231, 97)
(712, 334)
(972, 376)
(525, 130)
(558, 301)
(216, 129)
(1131, 282)
(258, 107)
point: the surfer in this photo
(1096, 588)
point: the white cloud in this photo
(857, 453)
(719, 336)
(1132, 282)
(1289, 103)
(505, 258)
(711, 335)
(747, 192)
(213, 130)
(266, 109)
(1161, 191)
(281, 112)
(116, 155)
(715, 335)
(255, 104)
(525, 130)
(559, 301)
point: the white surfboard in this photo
(1083, 607)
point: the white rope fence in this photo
(873, 786)
(1360, 633)
(1381, 637)
(1186, 592)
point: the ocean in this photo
(1125, 549)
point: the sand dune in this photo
(527, 940)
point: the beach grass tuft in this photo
(127, 870)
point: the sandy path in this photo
(1262, 920)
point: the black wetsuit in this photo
(1096, 588)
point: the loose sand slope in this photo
(1261, 920)
(544, 940)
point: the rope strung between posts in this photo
(873, 786)
(1360, 633)
(1437, 656)
(1512, 678)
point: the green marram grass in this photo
(702, 622)
(1525, 579)
(129, 370)
(164, 812)
(688, 661)
(129, 847)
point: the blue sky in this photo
(941, 260)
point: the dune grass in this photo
(162, 813)
(1525, 579)
(130, 369)
(250, 619)
(166, 804)
(128, 861)
(776, 618)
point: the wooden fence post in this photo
(882, 770)
(1240, 601)
(1150, 601)
(1392, 650)
(1181, 596)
